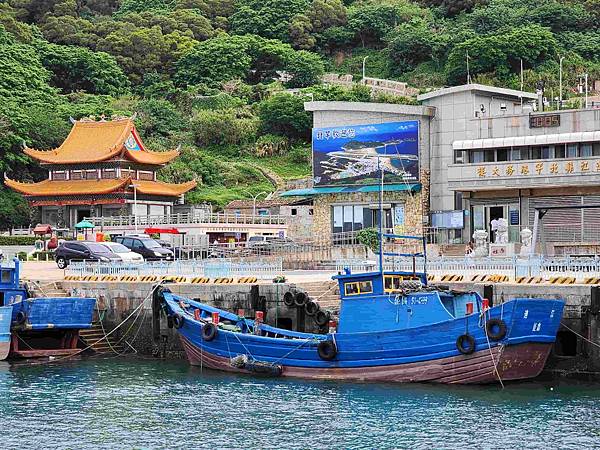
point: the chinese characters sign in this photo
(542, 168)
(355, 154)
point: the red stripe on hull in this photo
(515, 362)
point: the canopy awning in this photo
(518, 141)
(42, 228)
(84, 224)
(351, 189)
(153, 230)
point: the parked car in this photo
(83, 251)
(147, 247)
(125, 254)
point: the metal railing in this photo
(187, 219)
(191, 268)
(511, 266)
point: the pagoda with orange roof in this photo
(99, 170)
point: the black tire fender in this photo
(300, 299)
(178, 321)
(465, 344)
(170, 321)
(495, 329)
(311, 308)
(20, 317)
(327, 350)
(288, 299)
(322, 317)
(209, 332)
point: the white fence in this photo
(193, 268)
(538, 266)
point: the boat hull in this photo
(5, 320)
(515, 362)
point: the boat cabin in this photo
(376, 301)
(10, 288)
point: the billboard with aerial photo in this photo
(346, 156)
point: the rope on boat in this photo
(580, 335)
(139, 307)
(490, 349)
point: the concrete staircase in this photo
(92, 336)
(325, 293)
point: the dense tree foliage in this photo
(211, 74)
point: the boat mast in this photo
(380, 216)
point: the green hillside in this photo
(200, 73)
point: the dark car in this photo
(83, 251)
(145, 246)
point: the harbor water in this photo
(125, 403)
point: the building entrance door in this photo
(82, 214)
(484, 215)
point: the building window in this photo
(502, 154)
(109, 173)
(586, 150)
(59, 175)
(77, 175)
(596, 149)
(536, 152)
(572, 151)
(91, 174)
(294, 211)
(148, 176)
(460, 157)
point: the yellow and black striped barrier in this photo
(72, 278)
(128, 278)
(148, 278)
(109, 278)
(529, 280)
(430, 277)
(479, 278)
(497, 278)
(200, 280)
(247, 280)
(223, 280)
(591, 280)
(452, 277)
(90, 278)
(562, 280)
(174, 279)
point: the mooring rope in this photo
(580, 335)
(105, 336)
(490, 349)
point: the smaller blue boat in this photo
(5, 321)
(40, 326)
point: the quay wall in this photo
(117, 300)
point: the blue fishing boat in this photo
(392, 327)
(5, 320)
(40, 326)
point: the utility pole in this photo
(560, 67)
(364, 71)
(135, 218)
(468, 71)
(522, 83)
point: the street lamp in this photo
(135, 221)
(560, 62)
(254, 197)
(363, 67)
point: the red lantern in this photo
(215, 318)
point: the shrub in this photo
(18, 240)
(370, 238)
(222, 128)
(270, 144)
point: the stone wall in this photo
(322, 226)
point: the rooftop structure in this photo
(102, 168)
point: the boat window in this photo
(359, 287)
(365, 287)
(393, 283)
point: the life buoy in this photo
(465, 344)
(300, 299)
(170, 321)
(311, 308)
(209, 332)
(288, 299)
(322, 317)
(20, 318)
(495, 329)
(178, 321)
(327, 350)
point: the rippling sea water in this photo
(122, 403)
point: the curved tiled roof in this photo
(95, 187)
(59, 188)
(93, 142)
